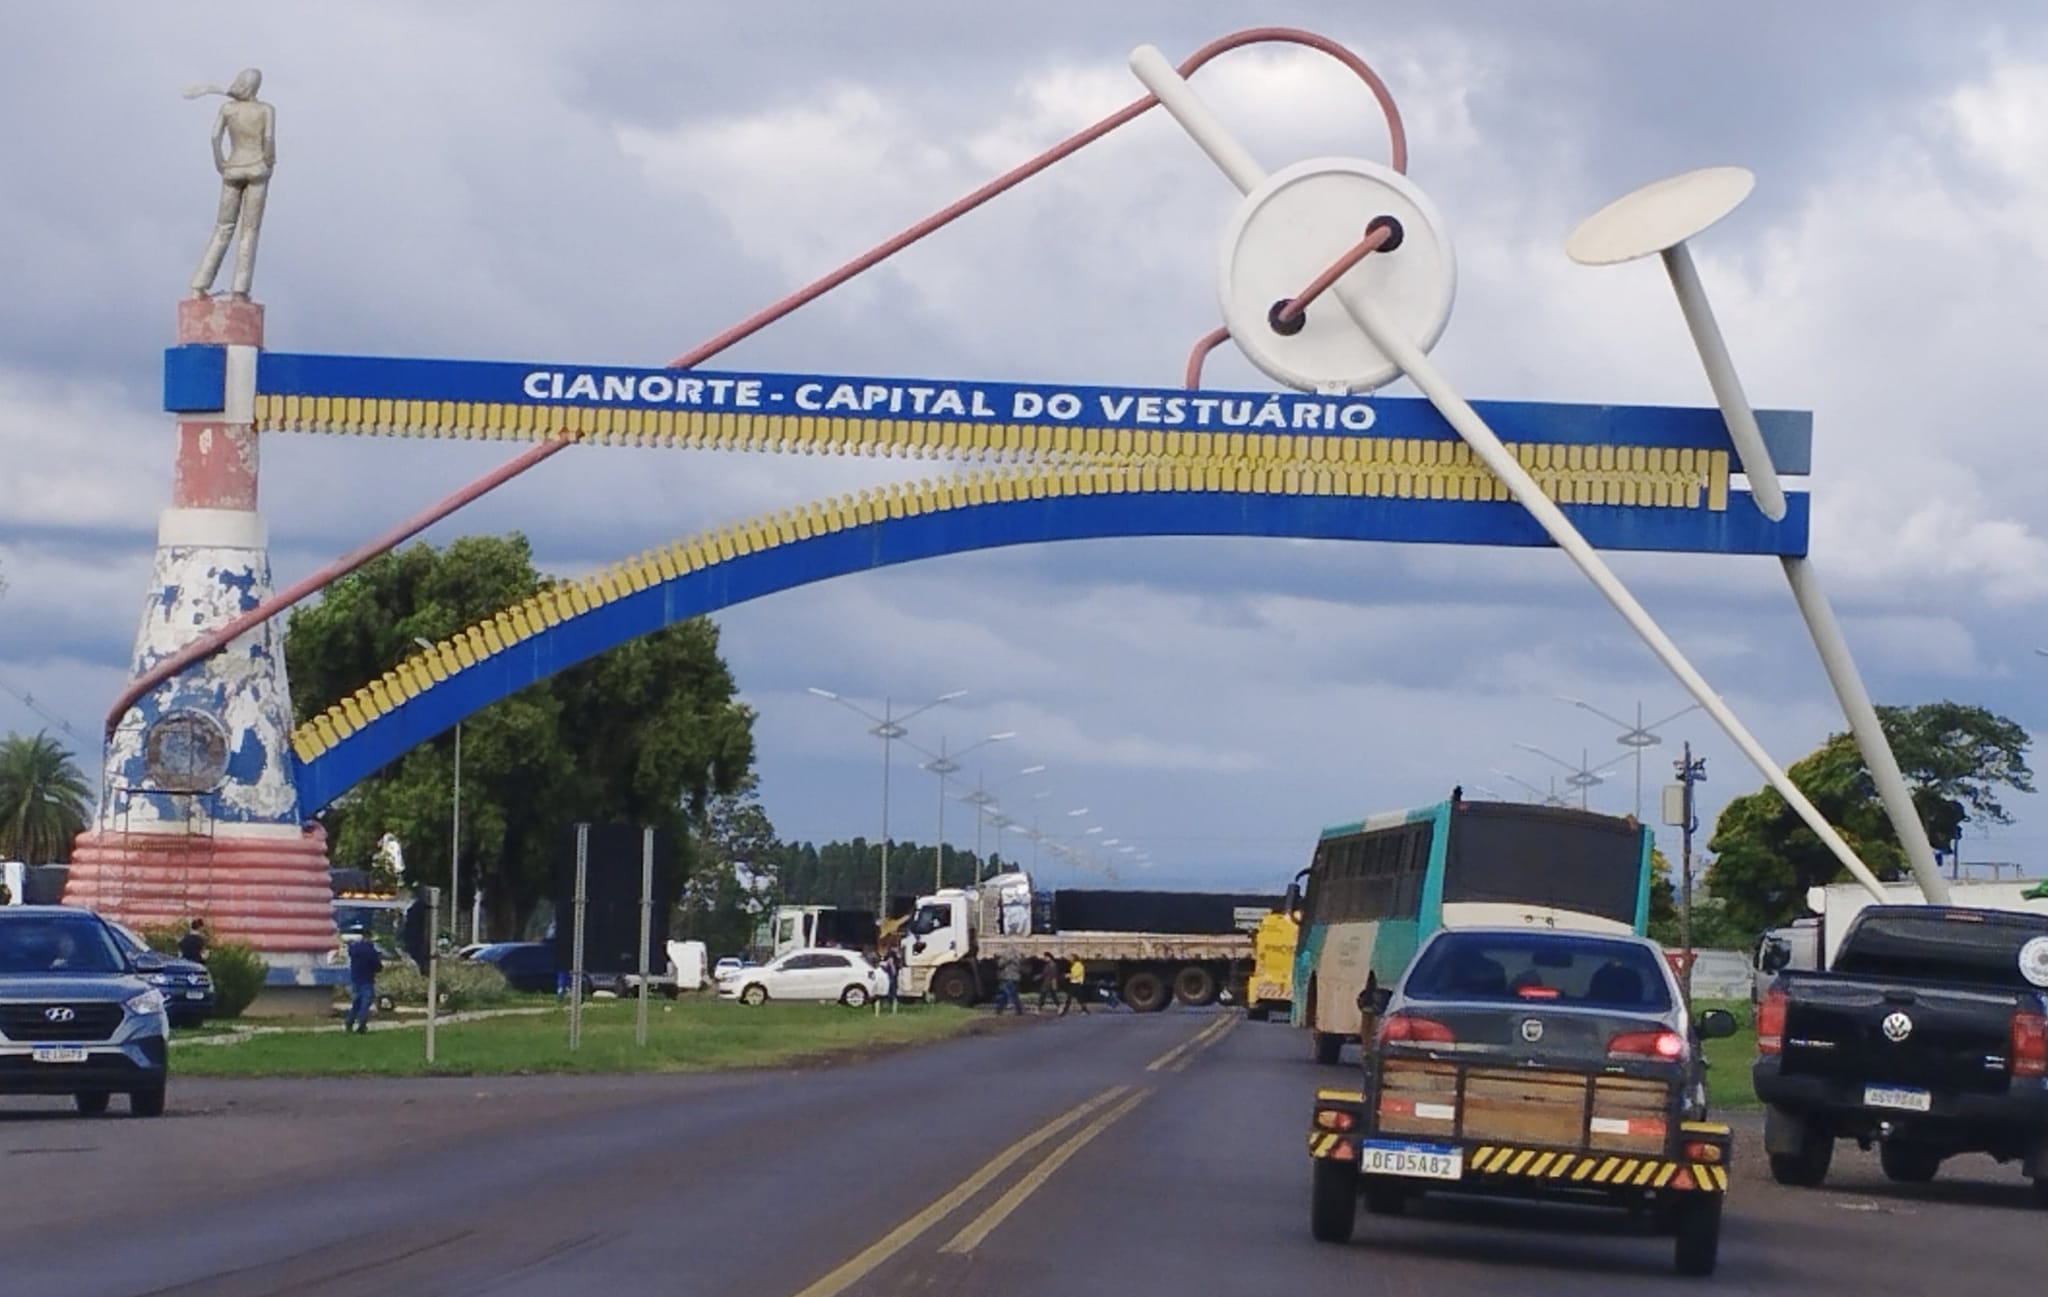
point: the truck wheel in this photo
(954, 985)
(2041, 1191)
(1258, 1012)
(1195, 986)
(1145, 991)
(1699, 1234)
(1329, 1047)
(1333, 1201)
(1813, 1144)
(1805, 1169)
(1908, 1163)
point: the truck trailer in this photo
(957, 937)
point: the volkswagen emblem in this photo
(1897, 1026)
(59, 1013)
(1532, 1029)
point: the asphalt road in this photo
(1137, 1155)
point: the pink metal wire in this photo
(355, 558)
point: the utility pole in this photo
(1691, 771)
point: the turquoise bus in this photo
(1376, 888)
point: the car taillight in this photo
(2029, 1044)
(1410, 1027)
(1770, 1023)
(1647, 1044)
(1333, 1119)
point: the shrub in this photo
(462, 985)
(238, 973)
(162, 937)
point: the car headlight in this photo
(145, 1004)
(160, 979)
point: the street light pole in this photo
(945, 766)
(887, 727)
(1638, 736)
(1583, 776)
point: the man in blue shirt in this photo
(364, 963)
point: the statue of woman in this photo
(249, 128)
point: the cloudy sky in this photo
(612, 183)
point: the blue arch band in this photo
(1740, 529)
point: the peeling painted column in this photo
(200, 815)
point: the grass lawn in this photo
(1728, 1059)
(684, 1036)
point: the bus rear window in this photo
(1536, 856)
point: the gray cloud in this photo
(615, 182)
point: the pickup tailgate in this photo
(1942, 1038)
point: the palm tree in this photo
(44, 800)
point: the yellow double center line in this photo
(851, 1272)
(1173, 1060)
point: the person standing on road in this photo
(1009, 973)
(1077, 987)
(892, 969)
(192, 945)
(1048, 982)
(364, 963)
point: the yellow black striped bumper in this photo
(1570, 1169)
(1598, 1169)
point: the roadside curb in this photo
(240, 1035)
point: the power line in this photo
(28, 700)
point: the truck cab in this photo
(938, 946)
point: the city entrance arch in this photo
(1336, 278)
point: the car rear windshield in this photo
(1973, 946)
(57, 943)
(1545, 967)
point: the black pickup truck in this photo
(1928, 1038)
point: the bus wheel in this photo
(1329, 1047)
(1195, 986)
(1145, 991)
(954, 985)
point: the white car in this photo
(819, 974)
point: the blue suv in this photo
(76, 1015)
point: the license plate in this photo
(1895, 1096)
(1416, 1161)
(57, 1054)
(195, 995)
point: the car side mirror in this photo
(1715, 1024)
(1375, 999)
(1777, 955)
(147, 961)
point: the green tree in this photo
(646, 733)
(44, 799)
(1956, 759)
(733, 885)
